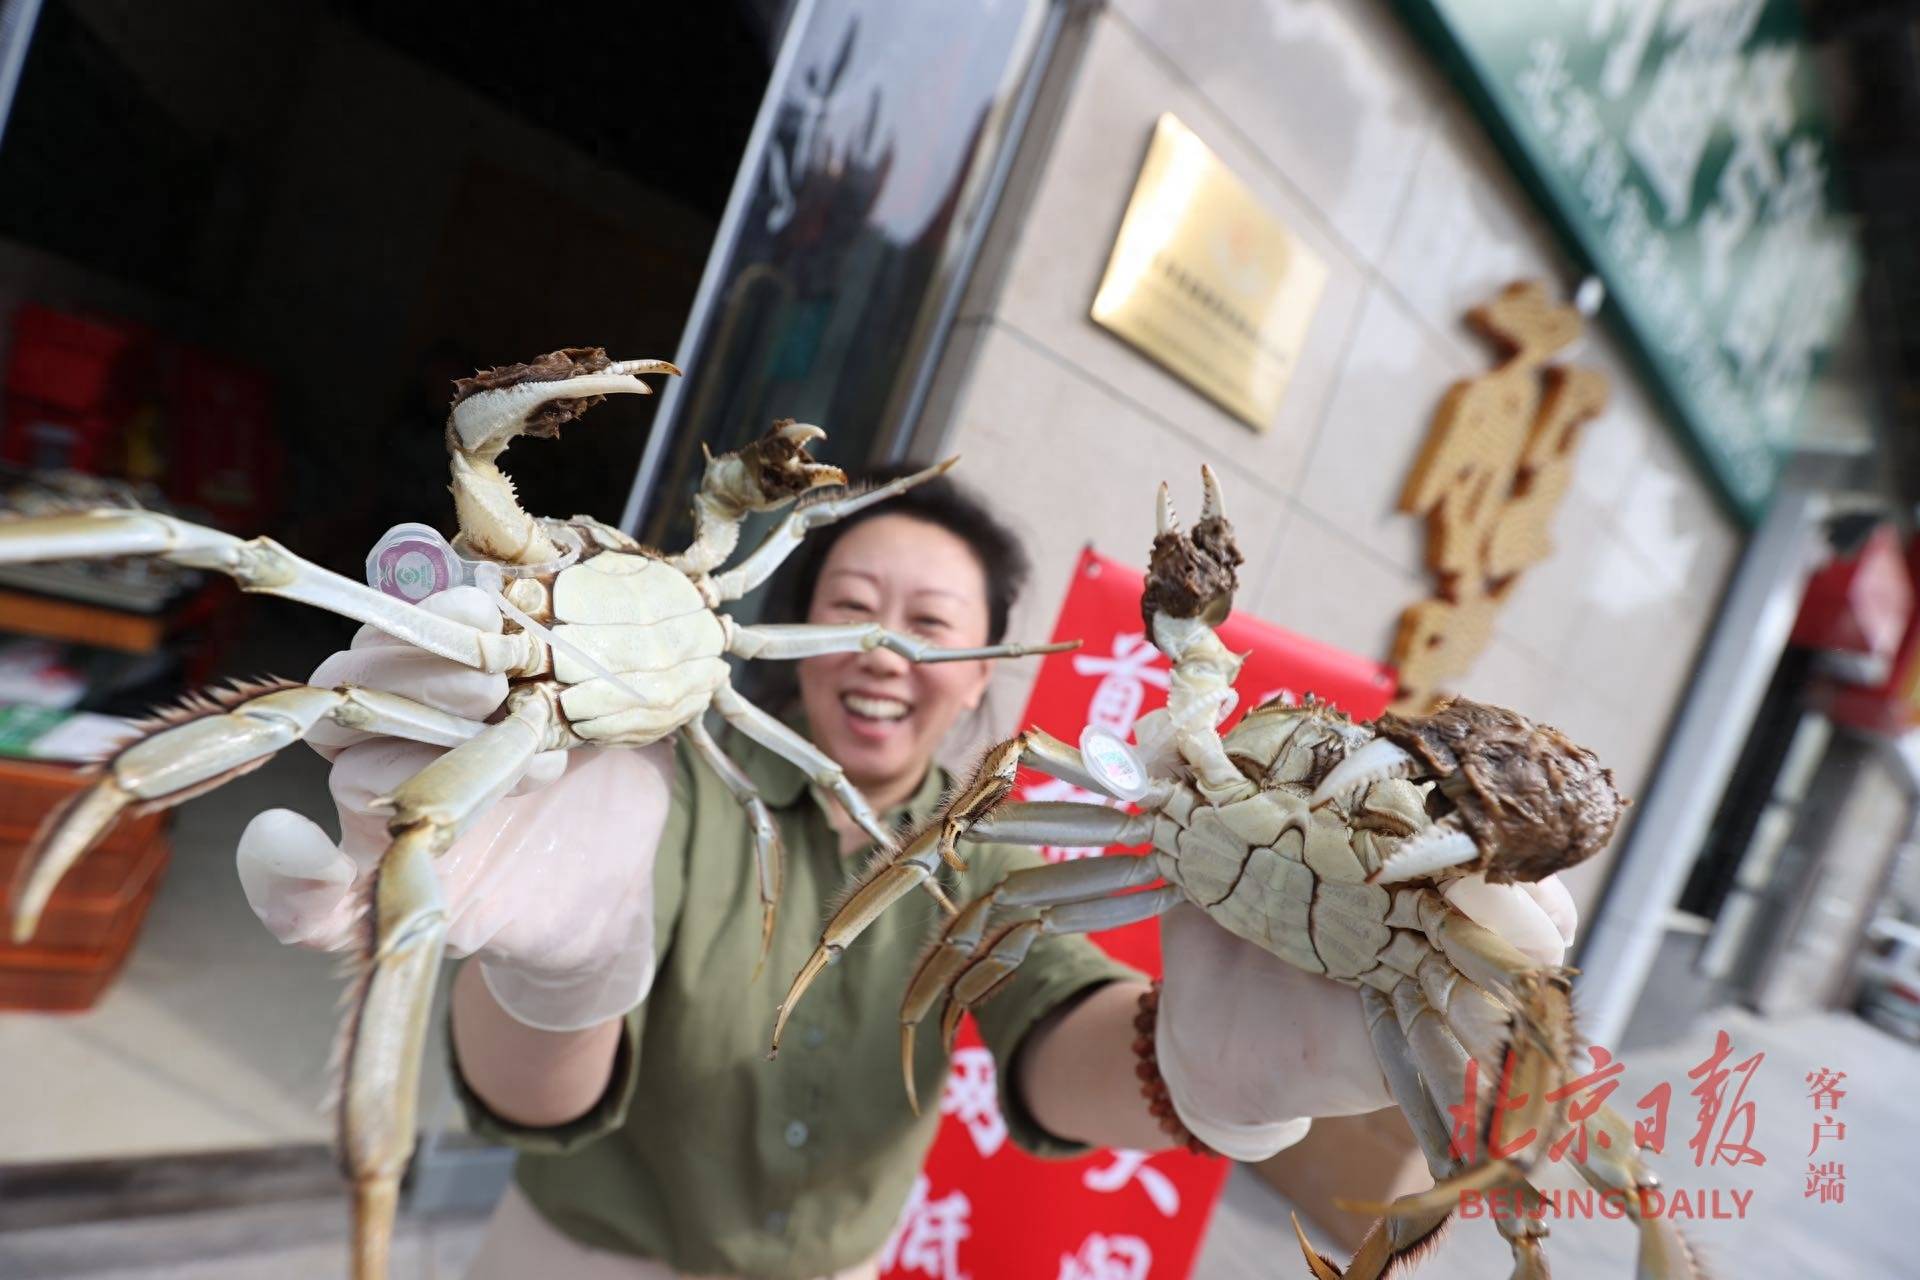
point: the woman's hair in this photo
(939, 501)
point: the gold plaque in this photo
(1207, 282)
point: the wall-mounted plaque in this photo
(1207, 282)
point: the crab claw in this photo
(1532, 799)
(1318, 1263)
(770, 472)
(1192, 575)
(1439, 847)
(1377, 761)
(541, 396)
(1212, 506)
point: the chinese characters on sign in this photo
(1496, 463)
(1679, 145)
(926, 1240)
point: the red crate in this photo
(93, 900)
(79, 364)
(90, 923)
(56, 980)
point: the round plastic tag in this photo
(412, 562)
(1113, 763)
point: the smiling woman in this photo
(932, 563)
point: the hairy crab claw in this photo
(495, 406)
(541, 396)
(778, 467)
(1514, 799)
(1192, 575)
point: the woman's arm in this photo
(1076, 1072)
(526, 1076)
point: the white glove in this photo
(1252, 1047)
(551, 888)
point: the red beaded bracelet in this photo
(1153, 1086)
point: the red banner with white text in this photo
(982, 1209)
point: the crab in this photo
(605, 642)
(1327, 843)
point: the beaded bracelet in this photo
(1153, 1086)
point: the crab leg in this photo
(1664, 1252)
(1061, 823)
(975, 803)
(484, 422)
(197, 748)
(811, 639)
(767, 852)
(980, 948)
(1534, 1063)
(792, 531)
(1425, 1068)
(790, 746)
(763, 476)
(384, 1038)
(1395, 1234)
(261, 565)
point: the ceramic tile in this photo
(1068, 234)
(1465, 232)
(1549, 600)
(67, 1097)
(1331, 94)
(1327, 587)
(1676, 523)
(1508, 675)
(454, 1245)
(1394, 377)
(1638, 635)
(1263, 563)
(286, 1240)
(1613, 445)
(1082, 465)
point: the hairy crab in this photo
(606, 643)
(1325, 842)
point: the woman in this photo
(612, 1027)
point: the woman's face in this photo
(880, 716)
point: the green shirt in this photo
(705, 1155)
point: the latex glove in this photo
(1252, 1047)
(552, 888)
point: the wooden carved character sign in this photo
(1496, 463)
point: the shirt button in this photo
(796, 1133)
(777, 1221)
(815, 1037)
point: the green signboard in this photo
(1679, 147)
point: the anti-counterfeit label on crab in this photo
(412, 562)
(1113, 763)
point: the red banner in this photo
(983, 1210)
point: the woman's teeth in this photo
(874, 708)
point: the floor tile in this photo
(1331, 94)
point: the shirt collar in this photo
(782, 784)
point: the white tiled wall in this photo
(1339, 124)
